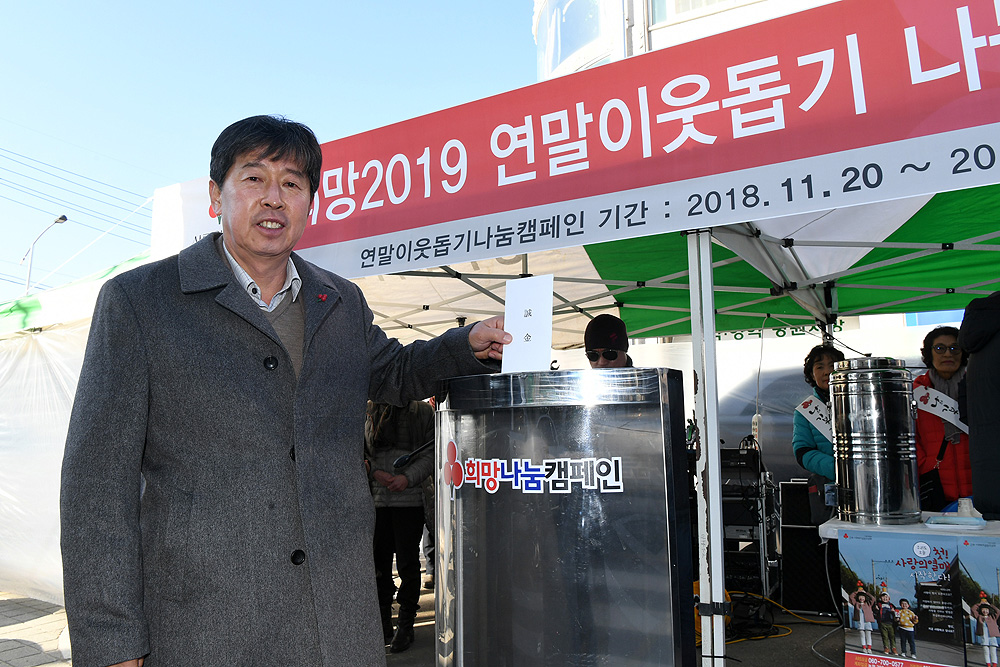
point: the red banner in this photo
(845, 76)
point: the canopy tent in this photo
(915, 254)
(903, 87)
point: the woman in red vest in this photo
(942, 438)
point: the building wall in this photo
(572, 35)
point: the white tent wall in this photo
(38, 375)
(180, 217)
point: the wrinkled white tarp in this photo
(38, 375)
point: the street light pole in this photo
(30, 254)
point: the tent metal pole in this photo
(708, 484)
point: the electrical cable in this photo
(21, 203)
(106, 232)
(20, 281)
(76, 220)
(63, 203)
(760, 363)
(761, 623)
(52, 166)
(836, 605)
(834, 338)
(79, 194)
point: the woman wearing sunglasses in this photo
(606, 343)
(942, 438)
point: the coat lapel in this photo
(319, 296)
(202, 269)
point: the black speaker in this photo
(803, 579)
(794, 503)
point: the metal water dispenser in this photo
(874, 441)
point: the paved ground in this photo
(30, 631)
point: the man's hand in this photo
(487, 338)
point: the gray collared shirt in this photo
(292, 282)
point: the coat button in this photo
(291, 453)
(298, 557)
(270, 363)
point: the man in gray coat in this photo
(215, 504)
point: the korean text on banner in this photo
(812, 111)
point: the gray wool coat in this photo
(251, 543)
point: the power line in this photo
(74, 207)
(66, 202)
(28, 205)
(73, 220)
(84, 248)
(80, 194)
(20, 281)
(51, 166)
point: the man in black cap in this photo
(606, 342)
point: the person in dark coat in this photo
(392, 432)
(980, 337)
(215, 507)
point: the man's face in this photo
(264, 206)
(603, 361)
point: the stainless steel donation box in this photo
(563, 529)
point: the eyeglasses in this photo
(940, 349)
(610, 355)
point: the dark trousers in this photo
(906, 637)
(398, 531)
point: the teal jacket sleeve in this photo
(811, 449)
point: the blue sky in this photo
(105, 102)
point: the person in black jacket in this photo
(392, 432)
(885, 616)
(979, 336)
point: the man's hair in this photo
(271, 138)
(926, 350)
(815, 355)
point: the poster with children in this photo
(900, 594)
(980, 589)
